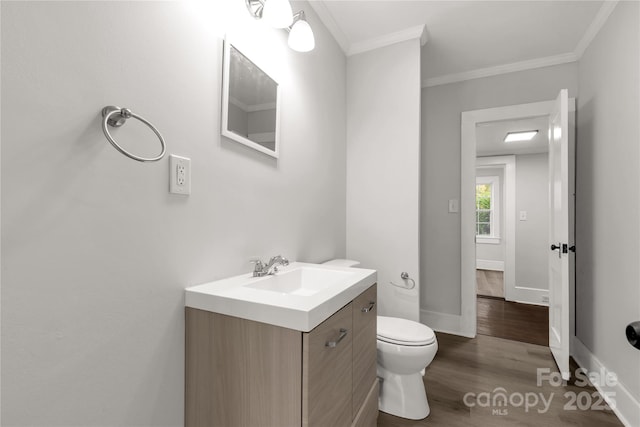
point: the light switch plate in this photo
(523, 215)
(179, 175)
(453, 206)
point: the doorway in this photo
(520, 292)
(511, 229)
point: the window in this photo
(487, 207)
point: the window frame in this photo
(494, 237)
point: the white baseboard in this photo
(626, 407)
(487, 264)
(443, 322)
(527, 295)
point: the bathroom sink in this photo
(304, 281)
(300, 296)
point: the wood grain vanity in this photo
(246, 373)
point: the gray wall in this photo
(95, 252)
(383, 170)
(238, 120)
(261, 121)
(532, 235)
(607, 199)
(441, 109)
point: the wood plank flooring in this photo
(490, 283)
(513, 321)
(483, 364)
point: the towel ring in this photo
(116, 117)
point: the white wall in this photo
(494, 253)
(383, 170)
(608, 201)
(441, 110)
(532, 235)
(95, 252)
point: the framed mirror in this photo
(250, 103)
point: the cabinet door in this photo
(240, 373)
(327, 372)
(365, 314)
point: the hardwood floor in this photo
(484, 364)
(490, 283)
(513, 321)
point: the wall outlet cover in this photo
(179, 175)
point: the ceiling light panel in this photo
(520, 136)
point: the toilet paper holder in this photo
(405, 276)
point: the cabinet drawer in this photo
(327, 372)
(365, 314)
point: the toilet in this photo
(405, 349)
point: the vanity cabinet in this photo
(245, 373)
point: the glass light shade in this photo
(277, 13)
(301, 37)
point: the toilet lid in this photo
(404, 332)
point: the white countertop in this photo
(237, 296)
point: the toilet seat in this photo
(394, 330)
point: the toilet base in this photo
(403, 395)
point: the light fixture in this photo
(520, 136)
(276, 13)
(300, 34)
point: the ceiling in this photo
(468, 36)
(490, 137)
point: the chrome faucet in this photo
(261, 269)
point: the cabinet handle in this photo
(332, 344)
(368, 309)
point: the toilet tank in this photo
(342, 263)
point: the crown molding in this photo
(329, 21)
(531, 64)
(349, 49)
(420, 31)
(417, 32)
(597, 23)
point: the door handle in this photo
(554, 247)
(633, 334)
(558, 247)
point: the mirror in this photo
(250, 103)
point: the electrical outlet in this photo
(179, 175)
(545, 299)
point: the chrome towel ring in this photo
(116, 117)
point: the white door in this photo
(559, 220)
